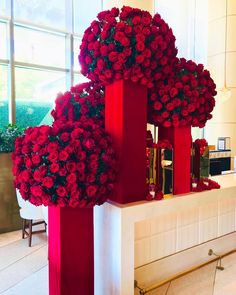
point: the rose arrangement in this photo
(164, 144)
(83, 102)
(204, 184)
(154, 192)
(127, 44)
(184, 98)
(70, 165)
(202, 144)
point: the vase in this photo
(126, 122)
(71, 251)
(180, 139)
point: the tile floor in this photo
(23, 269)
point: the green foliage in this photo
(8, 136)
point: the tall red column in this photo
(180, 138)
(71, 251)
(126, 121)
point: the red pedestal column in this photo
(71, 255)
(126, 121)
(180, 138)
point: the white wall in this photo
(224, 116)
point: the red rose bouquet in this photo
(83, 102)
(127, 44)
(71, 165)
(184, 98)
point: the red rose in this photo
(165, 98)
(25, 149)
(91, 190)
(140, 46)
(36, 148)
(80, 166)
(170, 106)
(53, 156)
(73, 203)
(48, 182)
(54, 167)
(103, 178)
(62, 171)
(90, 178)
(165, 114)
(113, 56)
(88, 143)
(44, 129)
(65, 136)
(52, 147)
(37, 175)
(136, 20)
(63, 156)
(71, 166)
(28, 163)
(61, 191)
(139, 58)
(71, 178)
(36, 190)
(157, 106)
(42, 139)
(173, 92)
(25, 175)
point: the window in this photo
(78, 78)
(42, 12)
(84, 13)
(3, 7)
(3, 96)
(43, 55)
(76, 54)
(3, 41)
(36, 91)
(39, 47)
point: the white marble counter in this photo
(129, 236)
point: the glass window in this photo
(78, 78)
(39, 47)
(3, 8)
(36, 91)
(3, 40)
(84, 13)
(76, 54)
(50, 13)
(3, 96)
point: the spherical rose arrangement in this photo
(184, 98)
(83, 102)
(70, 165)
(127, 44)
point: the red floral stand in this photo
(71, 251)
(126, 122)
(180, 138)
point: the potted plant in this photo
(9, 210)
